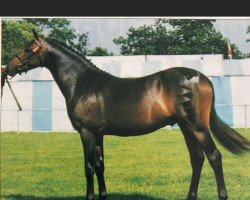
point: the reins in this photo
(4, 78)
(18, 104)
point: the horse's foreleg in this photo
(89, 143)
(196, 159)
(99, 166)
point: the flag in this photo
(229, 49)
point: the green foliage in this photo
(58, 29)
(41, 23)
(247, 55)
(15, 34)
(99, 51)
(146, 40)
(184, 36)
(82, 43)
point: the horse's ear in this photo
(35, 34)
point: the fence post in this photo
(245, 107)
(18, 115)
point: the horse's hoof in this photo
(192, 196)
(90, 198)
(103, 196)
(223, 197)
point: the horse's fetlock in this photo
(90, 197)
(192, 196)
(103, 195)
(223, 197)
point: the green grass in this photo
(151, 167)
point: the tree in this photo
(58, 29)
(144, 40)
(185, 36)
(99, 51)
(248, 40)
(15, 34)
(199, 37)
(82, 43)
(40, 23)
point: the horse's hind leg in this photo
(214, 157)
(99, 166)
(196, 159)
(215, 160)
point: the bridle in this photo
(23, 67)
(25, 61)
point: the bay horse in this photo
(99, 104)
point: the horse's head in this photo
(29, 57)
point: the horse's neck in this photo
(65, 71)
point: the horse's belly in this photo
(133, 129)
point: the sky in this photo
(102, 31)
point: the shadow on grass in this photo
(112, 196)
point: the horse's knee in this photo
(89, 169)
(215, 158)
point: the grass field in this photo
(151, 167)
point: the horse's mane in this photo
(76, 53)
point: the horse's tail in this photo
(227, 136)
